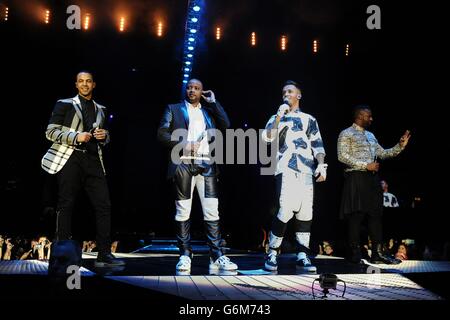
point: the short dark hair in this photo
(293, 83)
(357, 110)
(86, 71)
(195, 79)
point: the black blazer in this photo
(176, 117)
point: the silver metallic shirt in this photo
(358, 147)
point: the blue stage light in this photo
(191, 38)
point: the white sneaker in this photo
(223, 263)
(304, 263)
(271, 262)
(184, 264)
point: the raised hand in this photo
(405, 139)
(283, 109)
(209, 96)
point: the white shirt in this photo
(197, 132)
(389, 200)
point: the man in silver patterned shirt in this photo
(362, 197)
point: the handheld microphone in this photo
(94, 126)
(286, 101)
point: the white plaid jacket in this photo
(65, 125)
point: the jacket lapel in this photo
(77, 105)
(184, 111)
(100, 118)
(208, 121)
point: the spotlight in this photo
(253, 40)
(122, 24)
(194, 20)
(218, 33)
(6, 14)
(196, 8)
(87, 20)
(159, 31)
(327, 281)
(47, 16)
(283, 43)
(193, 31)
(315, 46)
(347, 50)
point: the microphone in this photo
(286, 101)
(94, 126)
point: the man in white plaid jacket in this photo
(76, 129)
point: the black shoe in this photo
(108, 260)
(355, 254)
(378, 257)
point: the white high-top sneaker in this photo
(184, 264)
(304, 263)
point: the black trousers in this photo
(84, 171)
(375, 226)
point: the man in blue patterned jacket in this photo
(300, 146)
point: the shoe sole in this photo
(215, 269)
(106, 265)
(307, 269)
(270, 268)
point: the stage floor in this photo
(155, 272)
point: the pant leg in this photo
(184, 185)
(207, 191)
(375, 228)
(70, 180)
(97, 190)
(354, 221)
(303, 218)
(289, 202)
(289, 195)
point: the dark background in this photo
(137, 74)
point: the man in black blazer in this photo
(189, 126)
